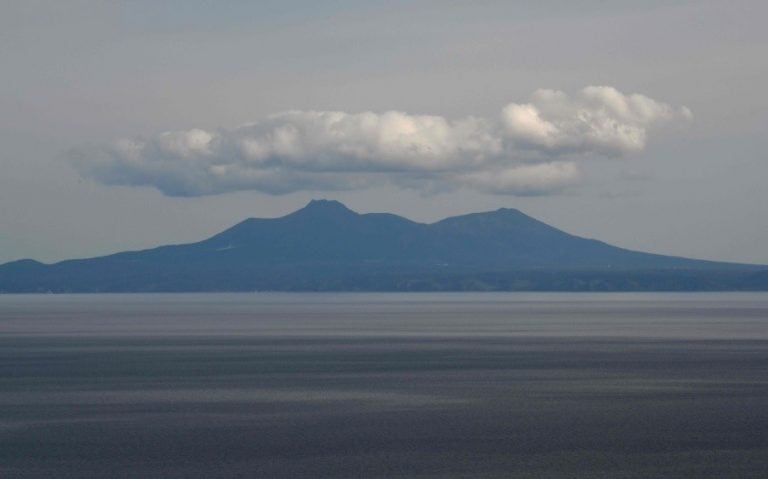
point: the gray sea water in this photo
(384, 385)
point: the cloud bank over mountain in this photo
(532, 149)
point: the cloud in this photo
(599, 119)
(528, 180)
(532, 150)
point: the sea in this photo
(384, 385)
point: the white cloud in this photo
(333, 150)
(391, 141)
(599, 119)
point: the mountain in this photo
(327, 247)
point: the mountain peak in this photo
(324, 208)
(323, 203)
(510, 211)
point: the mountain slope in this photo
(326, 246)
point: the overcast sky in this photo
(125, 125)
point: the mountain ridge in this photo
(327, 246)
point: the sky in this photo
(127, 125)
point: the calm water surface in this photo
(384, 385)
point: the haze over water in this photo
(384, 385)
